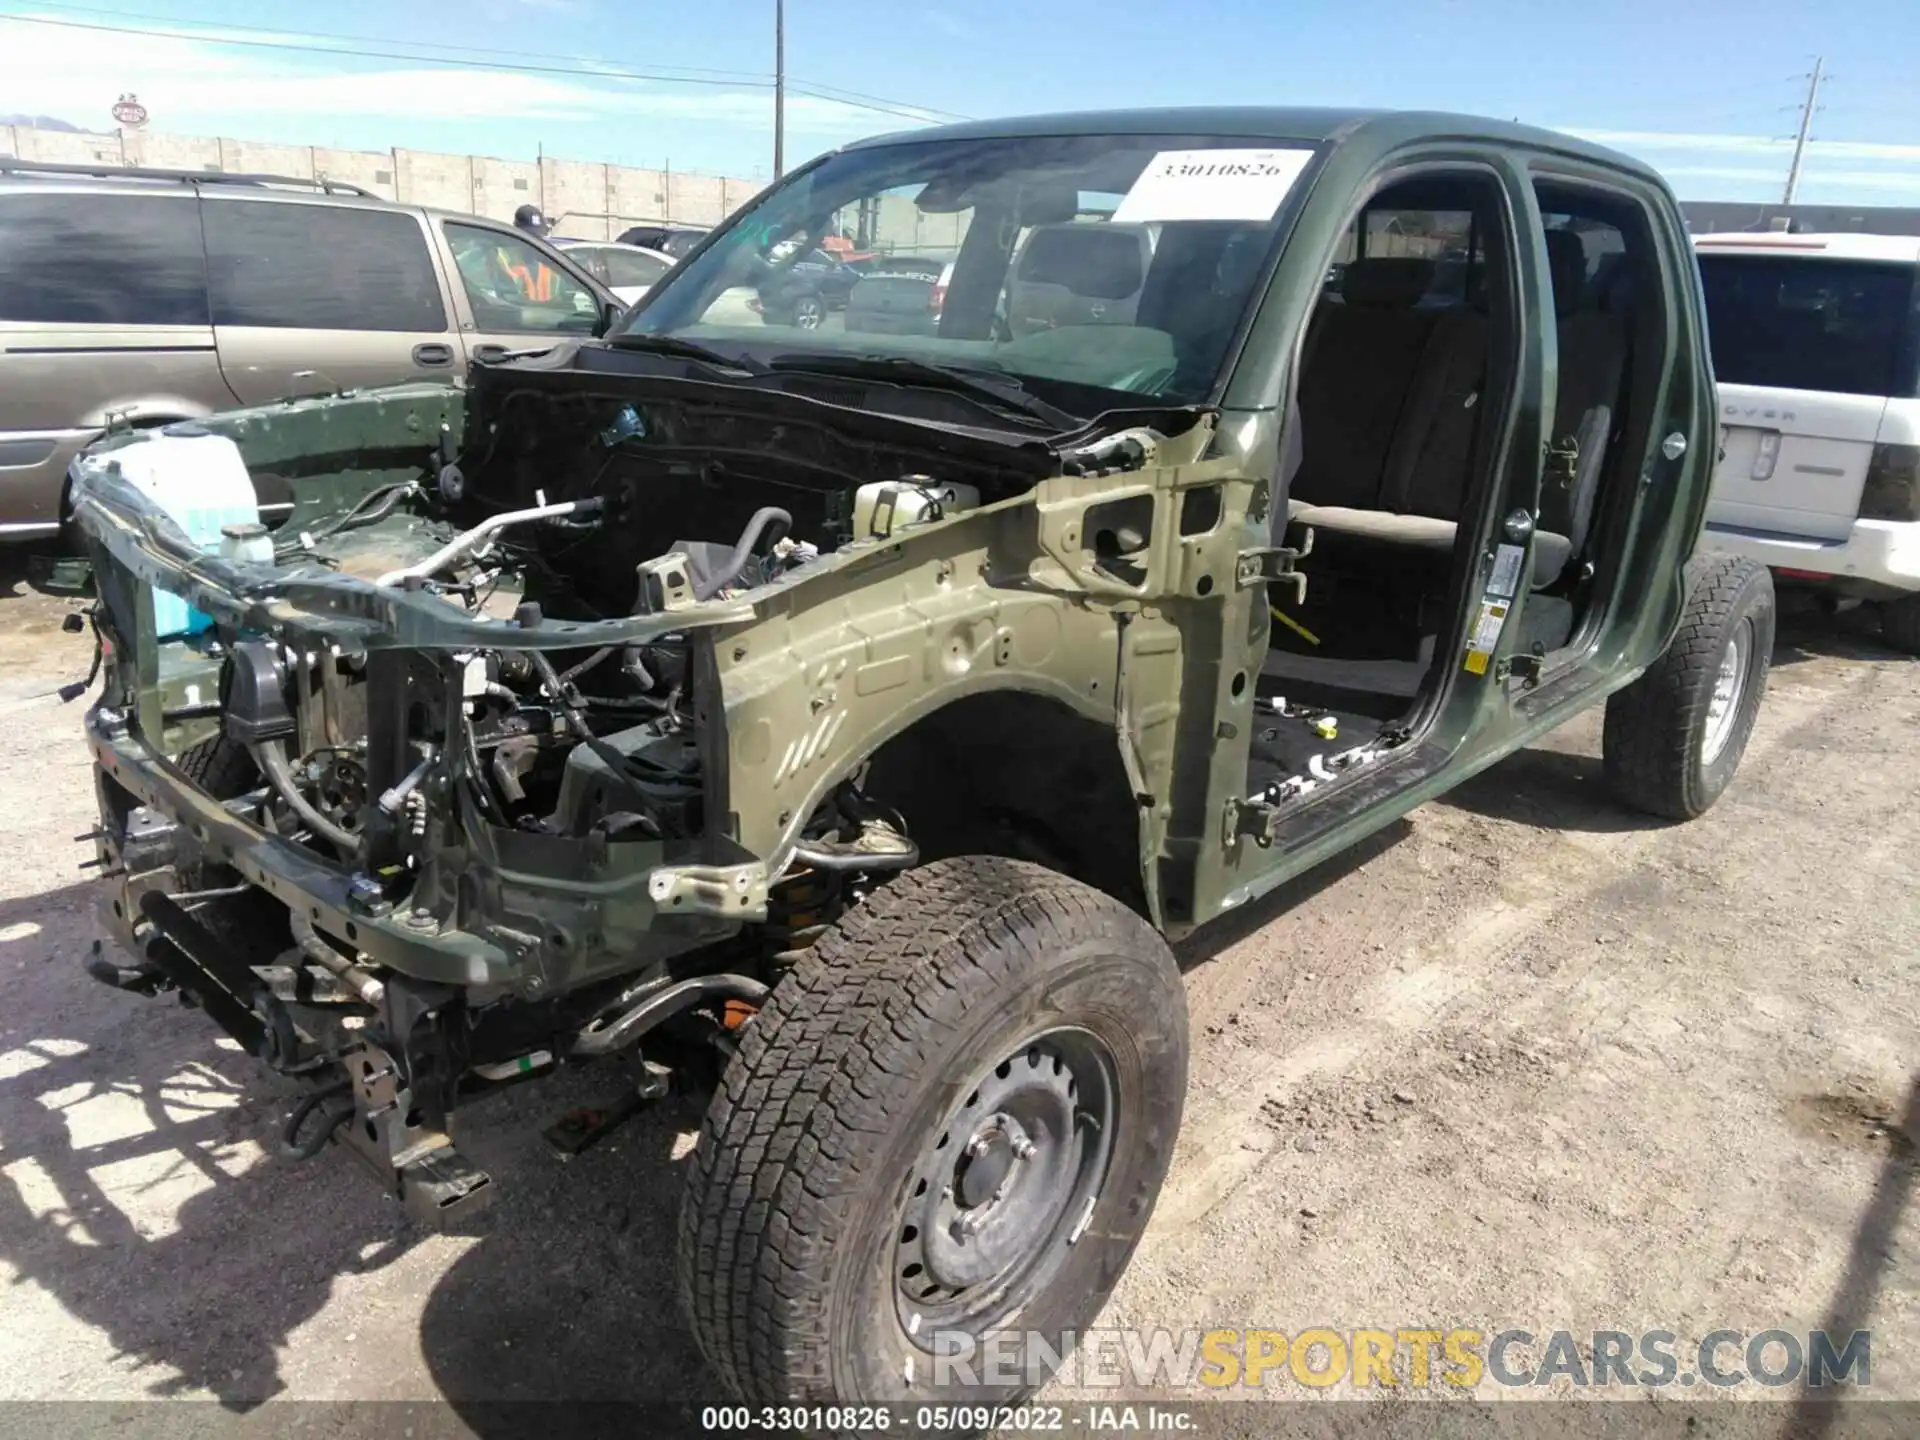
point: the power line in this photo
(221, 27)
(834, 92)
(902, 108)
(373, 54)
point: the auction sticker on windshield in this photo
(1212, 185)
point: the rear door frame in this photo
(1639, 592)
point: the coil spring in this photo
(799, 909)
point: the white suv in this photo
(1816, 352)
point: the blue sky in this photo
(1703, 88)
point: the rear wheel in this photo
(954, 1116)
(1900, 623)
(1674, 737)
(808, 312)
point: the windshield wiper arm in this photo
(991, 387)
(686, 350)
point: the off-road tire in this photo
(219, 767)
(1652, 745)
(1900, 624)
(788, 1226)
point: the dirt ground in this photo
(1524, 1061)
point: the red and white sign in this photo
(130, 112)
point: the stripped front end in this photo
(546, 728)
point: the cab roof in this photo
(1293, 124)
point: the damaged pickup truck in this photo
(846, 722)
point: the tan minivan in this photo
(158, 295)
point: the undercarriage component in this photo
(876, 846)
(334, 1104)
(205, 967)
(617, 1028)
(414, 1159)
(139, 979)
(359, 980)
(580, 1130)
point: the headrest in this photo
(1387, 281)
(1567, 269)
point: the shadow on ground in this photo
(133, 1196)
(1556, 788)
(124, 1131)
(1805, 634)
(1550, 790)
(1871, 1261)
(1236, 925)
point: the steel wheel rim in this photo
(1004, 1186)
(1729, 684)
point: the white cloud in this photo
(190, 84)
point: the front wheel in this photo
(953, 1118)
(1674, 737)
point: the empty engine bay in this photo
(546, 510)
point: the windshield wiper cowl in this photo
(990, 388)
(685, 350)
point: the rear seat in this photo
(1362, 354)
(1401, 482)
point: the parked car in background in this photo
(148, 296)
(802, 291)
(627, 270)
(898, 296)
(1079, 273)
(1816, 352)
(674, 240)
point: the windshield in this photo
(1120, 263)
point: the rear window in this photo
(320, 267)
(1800, 323)
(1086, 259)
(102, 260)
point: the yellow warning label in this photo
(1476, 662)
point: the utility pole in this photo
(1800, 140)
(779, 87)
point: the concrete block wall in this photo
(585, 199)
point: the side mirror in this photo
(610, 313)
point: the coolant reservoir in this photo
(885, 506)
(202, 483)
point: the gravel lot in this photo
(1523, 1061)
